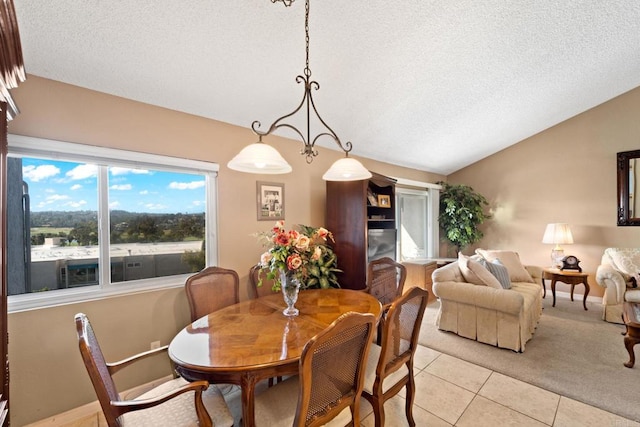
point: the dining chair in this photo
(390, 363)
(256, 273)
(328, 388)
(173, 403)
(385, 280)
(211, 289)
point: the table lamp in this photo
(557, 234)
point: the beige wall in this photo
(47, 375)
(564, 174)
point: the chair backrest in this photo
(212, 289)
(385, 279)
(256, 273)
(327, 387)
(97, 368)
(400, 330)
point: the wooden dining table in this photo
(251, 341)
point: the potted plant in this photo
(461, 212)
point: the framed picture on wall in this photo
(270, 200)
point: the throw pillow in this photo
(500, 272)
(511, 260)
(473, 272)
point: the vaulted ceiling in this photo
(433, 85)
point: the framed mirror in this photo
(629, 188)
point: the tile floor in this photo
(452, 392)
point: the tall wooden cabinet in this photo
(362, 217)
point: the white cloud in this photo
(122, 187)
(186, 185)
(124, 171)
(38, 173)
(78, 204)
(76, 187)
(83, 172)
(56, 198)
(154, 207)
(144, 192)
(114, 205)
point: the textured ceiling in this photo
(433, 85)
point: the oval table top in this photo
(254, 334)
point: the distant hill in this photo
(64, 219)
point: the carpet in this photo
(573, 353)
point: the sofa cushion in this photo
(473, 272)
(497, 269)
(626, 260)
(511, 260)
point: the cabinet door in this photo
(4, 351)
(346, 218)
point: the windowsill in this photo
(48, 299)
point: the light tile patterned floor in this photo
(452, 392)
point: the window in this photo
(86, 222)
(417, 223)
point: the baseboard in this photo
(576, 297)
(89, 414)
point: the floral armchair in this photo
(619, 273)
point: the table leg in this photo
(586, 292)
(248, 386)
(553, 291)
(629, 342)
(572, 288)
(544, 289)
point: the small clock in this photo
(571, 263)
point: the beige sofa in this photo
(617, 272)
(505, 318)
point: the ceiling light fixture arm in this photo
(309, 150)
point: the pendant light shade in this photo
(346, 169)
(259, 158)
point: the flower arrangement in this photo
(303, 252)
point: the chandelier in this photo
(264, 159)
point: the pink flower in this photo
(281, 239)
(303, 243)
(279, 226)
(323, 233)
(265, 258)
(294, 262)
(317, 253)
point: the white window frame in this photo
(24, 146)
(433, 211)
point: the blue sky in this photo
(68, 186)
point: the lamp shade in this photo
(346, 169)
(558, 234)
(259, 158)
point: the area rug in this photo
(573, 353)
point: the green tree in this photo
(195, 259)
(85, 233)
(461, 212)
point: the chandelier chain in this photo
(307, 70)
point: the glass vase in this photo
(290, 286)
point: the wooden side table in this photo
(632, 335)
(570, 277)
